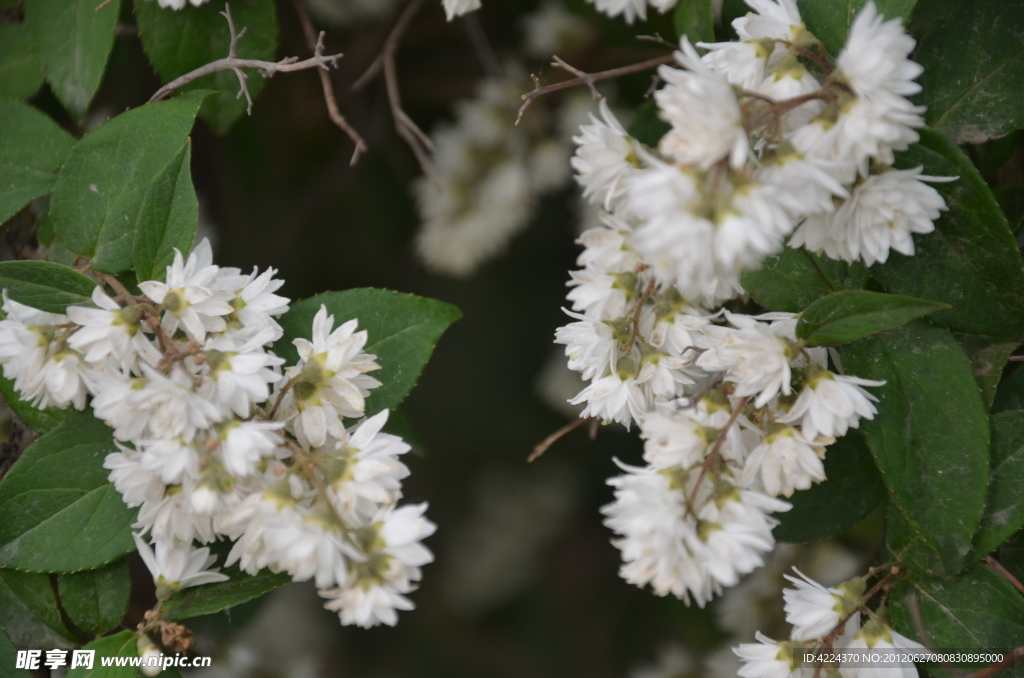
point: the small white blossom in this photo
(765, 658)
(177, 566)
(454, 8)
(785, 462)
(606, 156)
(754, 358)
(830, 404)
(812, 609)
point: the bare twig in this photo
(103, 4)
(233, 63)
(543, 445)
(1016, 655)
(417, 140)
(587, 79)
(715, 452)
(998, 567)
(316, 45)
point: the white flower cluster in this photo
(216, 441)
(490, 175)
(631, 10)
(735, 410)
(180, 4)
(827, 621)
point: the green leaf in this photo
(60, 513)
(20, 75)
(1004, 510)
(830, 20)
(209, 598)
(988, 357)
(38, 420)
(696, 20)
(96, 600)
(72, 41)
(182, 41)
(1011, 556)
(847, 316)
(167, 220)
(9, 656)
(32, 148)
(971, 260)
(403, 330)
(28, 611)
(123, 644)
(106, 192)
(647, 127)
(974, 99)
(852, 490)
(793, 279)
(44, 285)
(1010, 394)
(930, 437)
(977, 611)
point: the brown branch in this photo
(587, 79)
(998, 567)
(715, 452)
(636, 315)
(542, 447)
(1016, 655)
(416, 139)
(103, 4)
(316, 45)
(233, 63)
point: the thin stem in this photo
(541, 447)
(118, 288)
(715, 453)
(636, 315)
(316, 45)
(280, 396)
(586, 79)
(998, 567)
(481, 45)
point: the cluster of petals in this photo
(216, 440)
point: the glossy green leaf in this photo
(60, 513)
(44, 285)
(793, 279)
(167, 219)
(647, 127)
(977, 98)
(847, 316)
(696, 20)
(852, 490)
(971, 260)
(20, 75)
(114, 176)
(988, 356)
(38, 420)
(32, 149)
(9, 657)
(209, 598)
(930, 437)
(976, 611)
(181, 41)
(402, 332)
(1004, 510)
(123, 644)
(830, 20)
(72, 41)
(28, 611)
(96, 600)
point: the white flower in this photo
(658, 539)
(330, 381)
(881, 214)
(169, 406)
(454, 8)
(629, 9)
(170, 516)
(741, 63)
(805, 185)
(135, 483)
(590, 346)
(736, 532)
(170, 458)
(673, 438)
(254, 302)
(187, 298)
(176, 566)
(777, 20)
(602, 296)
(244, 443)
(765, 658)
(606, 156)
(240, 375)
(812, 609)
(26, 335)
(553, 29)
(110, 331)
(607, 248)
(785, 462)
(63, 380)
(705, 116)
(755, 359)
(364, 471)
(879, 636)
(830, 404)
(615, 397)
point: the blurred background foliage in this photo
(525, 582)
